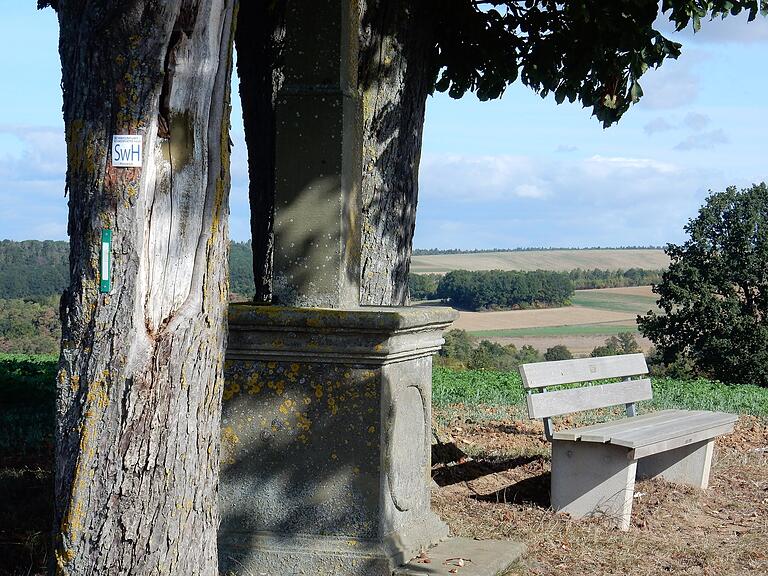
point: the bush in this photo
(558, 352)
(624, 343)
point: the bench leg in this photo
(685, 465)
(591, 479)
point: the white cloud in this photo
(703, 140)
(482, 178)
(696, 121)
(606, 166)
(673, 85)
(598, 200)
(658, 125)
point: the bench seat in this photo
(654, 432)
(594, 467)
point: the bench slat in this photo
(546, 404)
(558, 372)
(606, 428)
(680, 441)
(679, 418)
(654, 435)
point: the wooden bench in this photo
(594, 467)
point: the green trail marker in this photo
(106, 261)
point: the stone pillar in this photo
(326, 440)
(327, 405)
(318, 158)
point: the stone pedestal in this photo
(326, 439)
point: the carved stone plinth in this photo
(326, 439)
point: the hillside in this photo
(35, 269)
(556, 260)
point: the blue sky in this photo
(520, 171)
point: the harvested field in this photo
(502, 491)
(557, 260)
(595, 316)
(516, 319)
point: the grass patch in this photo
(574, 330)
(27, 395)
(485, 387)
(613, 301)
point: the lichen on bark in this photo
(140, 379)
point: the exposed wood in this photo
(588, 398)
(627, 425)
(606, 428)
(678, 427)
(680, 441)
(140, 374)
(559, 372)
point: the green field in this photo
(615, 302)
(485, 387)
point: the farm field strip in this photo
(606, 311)
(603, 329)
(557, 260)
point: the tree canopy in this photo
(589, 50)
(715, 293)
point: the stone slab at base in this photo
(481, 558)
(325, 464)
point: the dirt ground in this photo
(501, 490)
(560, 260)
(512, 319)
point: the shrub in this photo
(558, 352)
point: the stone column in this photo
(327, 405)
(318, 158)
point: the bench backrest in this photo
(544, 404)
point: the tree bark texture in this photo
(140, 378)
(259, 43)
(396, 46)
(395, 76)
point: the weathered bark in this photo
(395, 75)
(140, 379)
(259, 43)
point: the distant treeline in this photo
(497, 289)
(35, 269)
(438, 251)
(493, 289)
(586, 279)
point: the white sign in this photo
(126, 150)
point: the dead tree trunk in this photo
(140, 379)
(396, 75)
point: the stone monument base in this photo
(325, 465)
